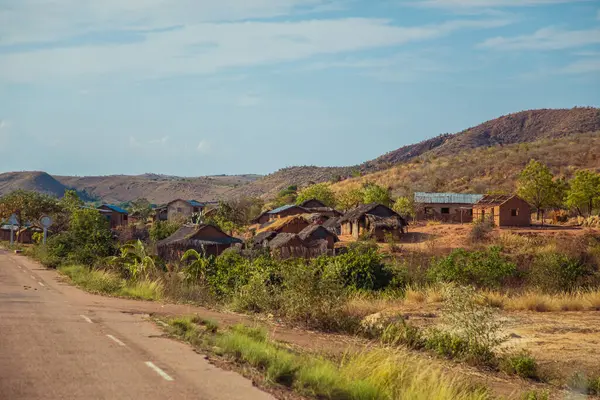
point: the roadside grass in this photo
(105, 282)
(581, 300)
(383, 373)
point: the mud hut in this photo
(206, 239)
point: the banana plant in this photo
(197, 268)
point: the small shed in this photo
(286, 211)
(314, 233)
(446, 207)
(261, 240)
(115, 215)
(206, 239)
(503, 210)
(373, 219)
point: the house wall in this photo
(115, 218)
(179, 209)
(434, 212)
(492, 213)
(522, 209)
(263, 219)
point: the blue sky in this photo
(197, 87)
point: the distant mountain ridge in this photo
(521, 127)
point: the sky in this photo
(202, 87)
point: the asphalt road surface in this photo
(57, 342)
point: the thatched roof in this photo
(365, 209)
(332, 223)
(255, 220)
(279, 223)
(187, 235)
(307, 233)
(262, 237)
(286, 240)
(394, 222)
(311, 203)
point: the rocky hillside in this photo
(539, 126)
(521, 127)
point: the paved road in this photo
(57, 342)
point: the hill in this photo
(460, 159)
(485, 168)
(32, 180)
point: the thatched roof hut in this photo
(291, 224)
(317, 233)
(207, 239)
(373, 219)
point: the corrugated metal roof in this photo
(447, 198)
(115, 208)
(283, 208)
(195, 203)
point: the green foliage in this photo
(554, 272)
(536, 186)
(87, 240)
(197, 269)
(373, 193)
(286, 196)
(584, 191)
(134, 262)
(405, 206)
(141, 208)
(361, 268)
(320, 191)
(349, 199)
(448, 345)
(163, 229)
(521, 364)
(482, 268)
(29, 207)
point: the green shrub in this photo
(163, 229)
(520, 364)
(553, 272)
(446, 344)
(401, 333)
(482, 268)
(362, 267)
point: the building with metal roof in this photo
(445, 207)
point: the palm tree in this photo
(197, 268)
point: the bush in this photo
(521, 364)
(472, 321)
(362, 267)
(553, 272)
(163, 229)
(480, 231)
(482, 268)
(446, 344)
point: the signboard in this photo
(46, 222)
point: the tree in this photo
(320, 191)
(373, 193)
(404, 206)
(349, 199)
(286, 196)
(141, 208)
(90, 236)
(29, 207)
(197, 268)
(536, 186)
(584, 192)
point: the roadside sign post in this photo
(12, 222)
(46, 222)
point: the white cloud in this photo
(48, 20)
(545, 39)
(203, 146)
(210, 47)
(450, 4)
(585, 66)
